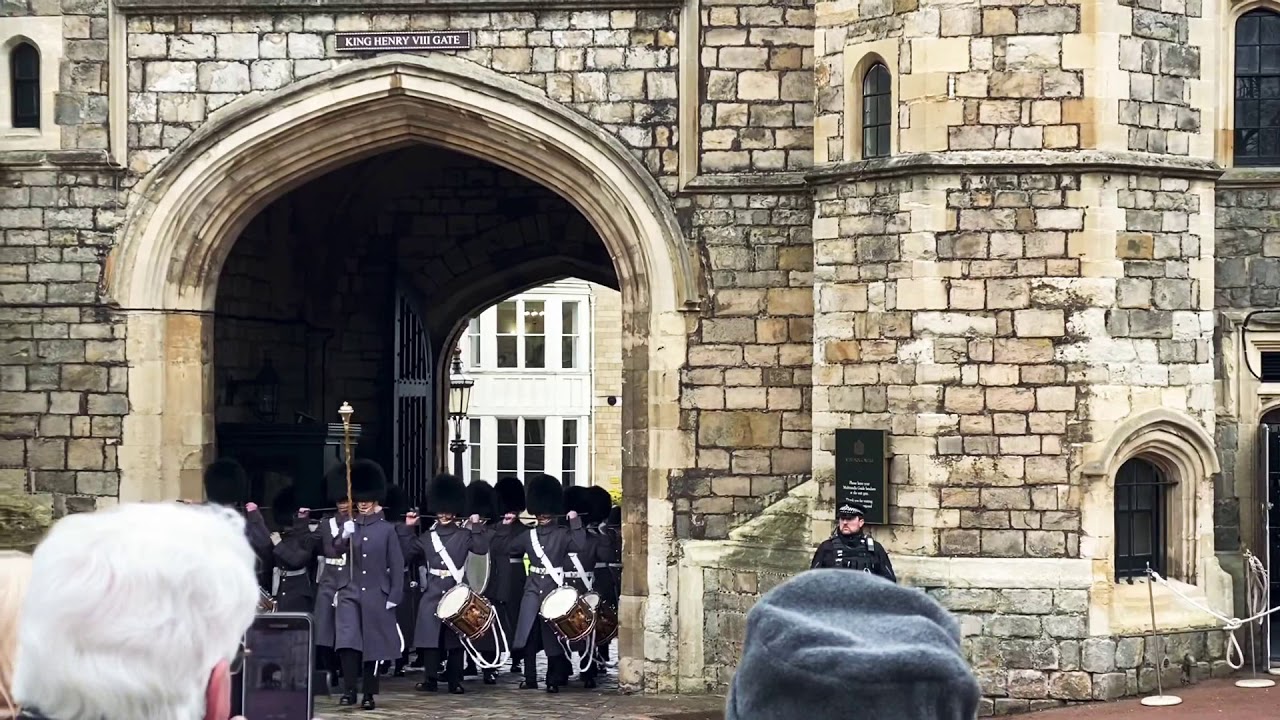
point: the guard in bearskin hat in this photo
(548, 547)
(330, 566)
(397, 505)
(292, 584)
(226, 483)
(580, 571)
(370, 586)
(609, 561)
(443, 550)
(482, 501)
(508, 574)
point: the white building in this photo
(533, 358)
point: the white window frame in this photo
(45, 33)
(483, 330)
(553, 446)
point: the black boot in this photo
(368, 703)
(490, 677)
(348, 698)
(515, 666)
(428, 685)
(456, 689)
(589, 682)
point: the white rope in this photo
(1258, 602)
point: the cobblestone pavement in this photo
(1212, 699)
(399, 701)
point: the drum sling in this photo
(499, 634)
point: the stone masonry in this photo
(1046, 276)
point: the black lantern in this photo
(266, 396)
(459, 401)
(266, 391)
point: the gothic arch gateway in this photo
(187, 214)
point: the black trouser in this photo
(558, 666)
(351, 670)
(452, 664)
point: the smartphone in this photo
(279, 663)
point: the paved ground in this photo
(399, 701)
(1216, 699)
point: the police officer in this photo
(851, 548)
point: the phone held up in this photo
(279, 665)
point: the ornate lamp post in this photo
(459, 400)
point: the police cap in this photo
(850, 510)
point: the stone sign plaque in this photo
(392, 41)
(862, 472)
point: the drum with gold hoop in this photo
(606, 617)
(466, 612)
(266, 603)
(568, 613)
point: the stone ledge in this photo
(746, 182)
(1014, 161)
(1013, 573)
(137, 7)
(59, 159)
(1250, 177)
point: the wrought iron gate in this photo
(414, 400)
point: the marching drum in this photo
(568, 613)
(467, 613)
(606, 618)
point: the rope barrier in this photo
(1258, 600)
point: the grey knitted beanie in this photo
(846, 644)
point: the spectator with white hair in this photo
(136, 613)
(15, 572)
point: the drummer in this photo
(580, 571)
(544, 497)
(443, 551)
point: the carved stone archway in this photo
(189, 211)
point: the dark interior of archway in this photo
(319, 284)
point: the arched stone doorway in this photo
(189, 211)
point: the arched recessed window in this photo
(1141, 509)
(1257, 91)
(877, 111)
(24, 71)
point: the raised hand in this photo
(411, 519)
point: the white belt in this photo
(569, 574)
(610, 565)
(439, 573)
(517, 560)
(293, 573)
(335, 561)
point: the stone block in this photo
(1071, 686)
(1028, 684)
(738, 429)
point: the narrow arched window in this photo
(877, 111)
(1141, 509)
(24, 71)
(1257, 91)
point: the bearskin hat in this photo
(615, 516)
(396, 504)
(578, 499)
(368, 482)
(226, 482)
(510, 494)
(284, 507)
(544, 495)
(335, 482)
(600, 501)
(447, 494)
(482, 500)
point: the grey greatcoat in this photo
(595, 552)
(437, 580)
(332, 569)
(407, 611)
(363, 621)
(557, 543)
(507, 575)
(609, 567)
(293, 585)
